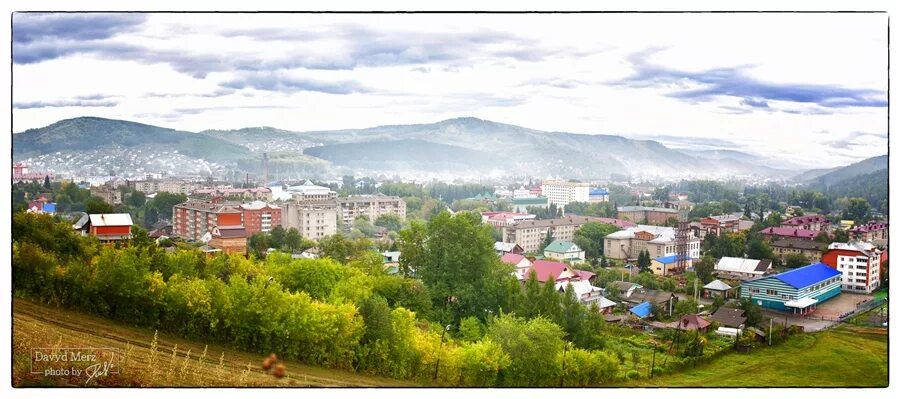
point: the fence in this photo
(862, 308)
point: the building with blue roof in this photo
(598, 195)
(666, 265)
(642, 310)
(798, 291)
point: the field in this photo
(163, 361)
(846, 356)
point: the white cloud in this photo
(544, 71)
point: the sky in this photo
(807, 89)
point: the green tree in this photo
(752, 311)
(758, 248)
(590, 238)
(548, 239)
(137, 199)
(533, 347)
(412, 247)
(471, 329)
(795, 260)
(47, 182)
(389, 221)
(644, 261)
(857, 210)
(705, 268)
(482, 362)
(96, 205)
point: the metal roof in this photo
(642, 310)
(111, 219)
(807, 275)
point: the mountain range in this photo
(461, 146)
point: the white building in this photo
(564, 251)
(742, 269)
(311, 192)
(859, 264)
(627, 244)
(562, 193)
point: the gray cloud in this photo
(856, 139)
(29, 27)
(75, 102)
(288, 84)
(556, 82)
(733, 81)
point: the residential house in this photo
(564, 251)
(667, 265)
(544, 270)
(729, 317)
(811, 249)
(645, 214)
(716, 288)
(661, 299)
(521, 263)
(719, 224)
(42, 205)
(587, 294)
(391, 261)
(230, 239)
(798, 291)
(503, 248)
(627, 244)
(859, 264)
(742, 269)
(107, 227)
(642, 310)
(692, 322)
(683, 206)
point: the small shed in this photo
(692, 322)
(642, 310)
(717, 288)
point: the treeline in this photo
(347, 315)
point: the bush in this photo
(632, 374)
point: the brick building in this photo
(259, 216)
(194, 218)
(646, 214)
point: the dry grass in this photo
(154, 359)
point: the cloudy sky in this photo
(807, 88)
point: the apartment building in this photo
(191, 220)
(108, 195)
(561, 193)
(313, 219)
(530, 234)
(859, 264)
(646, 214)
(260, 216)
(659, 241)
(371, 206)
(168, 186)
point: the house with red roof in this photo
(545, 270)
(692, 322)
(520, 262)
(775, 233)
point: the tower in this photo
(682, 236)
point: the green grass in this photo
(881, 294)
(845, 356)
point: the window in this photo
(771, 292)
(754, 290)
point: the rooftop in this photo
(512, 259)
(670, 259)
(806, 219)
(790, 232)
(560, 246)
(742, 265)
(110, 219)
(645, 208)
(729, 317)
(807, 275)
(798, 244)
(871, 226)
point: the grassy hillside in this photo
(850, 171)
(846, 356)
(88, 133)
(150, 362)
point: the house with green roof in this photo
(564, 251)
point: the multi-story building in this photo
(259, 216)
(561, 193)
(809, 222)
(812, 250)
(659, 241)
(108, 195)
(719, 224)
(252, 194)
(775, 233)
(646, 214)
(21, 173)
(859, 264)
(798, 291)
(311, 192)
(168, 186)
(193, 219)
(371, 206)
(314, 219)
(876, 232)
(107, 227)
(503, 219)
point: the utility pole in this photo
(770, 332)
(437, 364)
(561, 376)
(653, 363)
